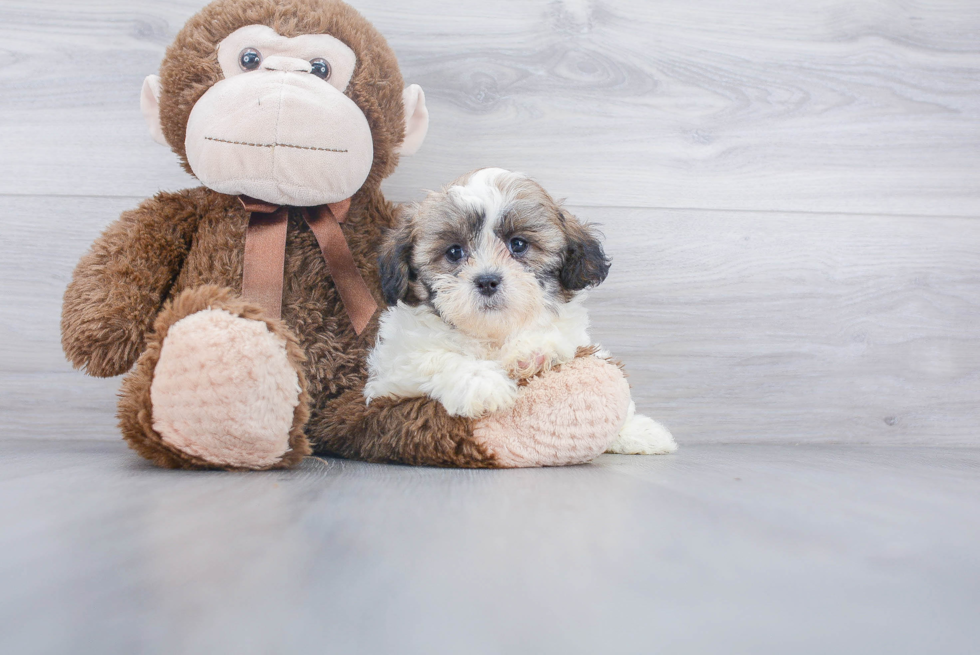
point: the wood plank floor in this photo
(718, 549)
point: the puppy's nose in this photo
(487, 283)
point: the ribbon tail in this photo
(265, 255)
(340, 209)
(353, 290)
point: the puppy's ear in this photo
(585, 263)
(395, 262)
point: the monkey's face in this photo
(278, 126)
(295, 102)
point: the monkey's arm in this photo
(565, 416)
(417, 431)
(119, 286)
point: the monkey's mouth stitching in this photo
(270, 145)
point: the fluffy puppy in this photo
(483, 281)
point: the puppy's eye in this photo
(518, 246)
(249, 59)
(454, 253)
(321, 68)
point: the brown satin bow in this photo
(265, 257)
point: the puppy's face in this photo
(490, 253)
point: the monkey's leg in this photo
(567, 416)
(218, 386)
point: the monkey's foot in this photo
(565, 416)
(642, 436)
(224, 388)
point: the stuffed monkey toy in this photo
(248, 305)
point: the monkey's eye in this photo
(518, 246)
(321, 68)
(454, 253)
(249, 59)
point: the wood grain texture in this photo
(40, 395)
(828, 105)
(718, 549)
(734, 326)
(744, 326)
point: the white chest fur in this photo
(419, 354)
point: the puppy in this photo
(484, 283)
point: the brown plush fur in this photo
(411, 431)
(120, 284)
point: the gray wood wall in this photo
(790, 192)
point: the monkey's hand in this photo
(119, 286)
(564, 416)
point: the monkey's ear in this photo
(416, 120)
(585, 263)
(395, 265)
(150, 106)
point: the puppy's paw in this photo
(527, 365)
(641, 435)
(484, 391)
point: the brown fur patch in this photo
(120, 284)
(414, 431)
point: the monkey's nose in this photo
(487, 283)
(286, 64)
